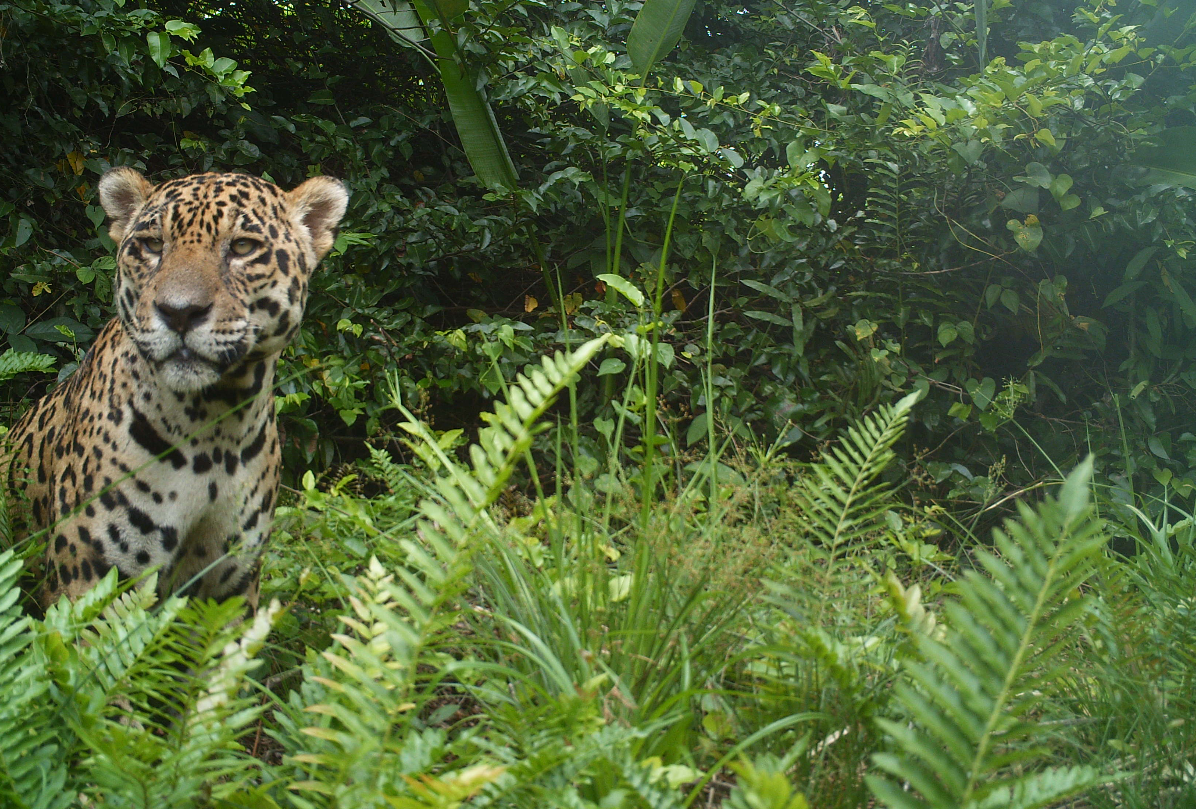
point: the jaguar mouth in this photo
(189, 359)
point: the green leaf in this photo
(1173, 160)
(708, 140)
(1027, 236)
(1022, 200)
(1073, 495)
(183, 30)
(1186, 304)
(24, 231)
(60, 330)
(1123, 291)
(960, 410)
(1036, 175)
(627, 289)
(1060, 185)
(12, 318)
(159, 47)
(611, 365)
(970, 150)
(981, 392)
(1156, 447)
(451, 9)
(1009, 300)
(1138, 262)
(18, 362)
(947, 334)
(657, 29)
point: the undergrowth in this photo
(496, 626)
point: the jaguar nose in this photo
(181, 317)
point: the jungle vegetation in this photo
(759, 404)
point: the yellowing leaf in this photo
(530, 303)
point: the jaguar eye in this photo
(243, 247)
(153, 245)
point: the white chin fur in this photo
(188, 376)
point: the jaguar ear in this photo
(122, 192)
(318, 205)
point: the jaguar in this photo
(161, 450)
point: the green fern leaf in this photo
(974, 695)
(20, 362)
(350, 729)
(511, 428)
(839, 498)
(33, 766)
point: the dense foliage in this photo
(794, 219)
(867, 209)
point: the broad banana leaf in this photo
(1173, 161)
(408, 24)
(399, 19)
(656, 31)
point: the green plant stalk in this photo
(617, 441)
(614, 259)
(574, 428)
(708, 383)
(554, 294)
(650, 369)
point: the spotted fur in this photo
(161, 450)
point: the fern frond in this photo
(364, 692)
(839, 498)
(33, 766)
(394, 475)
(511, 428)
(973, 696)
(150, 694)
(551, 761)
(367, 691)
(20, 362)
